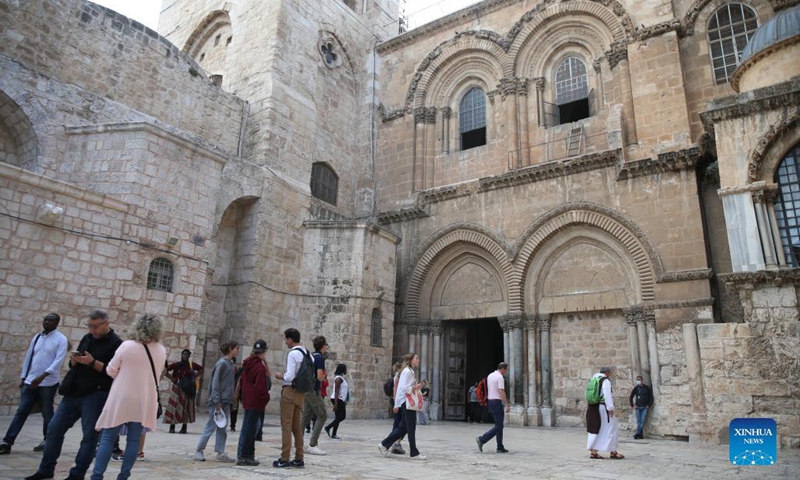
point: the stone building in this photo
(561, 185)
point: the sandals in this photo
(596, 456)
(617, 456)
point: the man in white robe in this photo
(601, 423)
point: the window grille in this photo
(572, 82)
(324, 183)
(729, 30)
(787, 205)
(377, 328)
(159, 277)
(472, 111)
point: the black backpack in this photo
(306, 377)
(388, 387)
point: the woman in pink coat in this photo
(133, 399)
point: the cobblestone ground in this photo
(450, 448)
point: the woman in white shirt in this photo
(340, 395)
(408, 424)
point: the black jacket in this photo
(87, 379)
(643, 394)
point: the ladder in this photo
(575, 141)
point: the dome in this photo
(784, 25)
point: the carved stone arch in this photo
(451, 237)
(648, 263)
(203, 32)
(447, 88)
(697, 17)
(618, 25)
(442, 59)
(772, 147)
(19, 143)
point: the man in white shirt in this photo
(496, 386)
(292, 403)
(39, 380)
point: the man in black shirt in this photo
(644, 400)
(85, 389)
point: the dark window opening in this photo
(202, 56)
(574, 111)
(474, 138)
(787, 205)
(324, 183)
(216, 40)
(228, 42)
(472, 119)
(159, 276)
(376, 339)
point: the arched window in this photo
(472, 119)
(787, 205)
(324, 183)
(376, 329)
(572, 90)
(159, 277)
(729, 30)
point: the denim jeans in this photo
(211, 427)
(108, 438)
(27, 397)
(641, 416)
(499, 415)
(247, 434)
(407, 425)
(87, 408)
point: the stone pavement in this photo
(540, 453)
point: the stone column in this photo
(430, 147)
(764, 229)
(446, 113)
(618, 59)
(548, 416)
(436, 380)
(652, 348)
(598, 70)
(644, 357)
(510, 101)
(694, 371)
(418, 163)
(412, 337)
(631, 316)
(524, 125)
(533, 412)
(539, 83)
(424, 357)
(776, 233)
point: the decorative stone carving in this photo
(598, 65)
(745, 281)
(329, 50)
(491, 94)
(387, 115)
(442, 194)
(511, 86)
(425, 115)
(766, 141)
(539, 82)
(447, 112)
(774, 97)
(543, 322)
(657, 30)
(686, 275)
(617, 53)
(403, 215)
(633, 315)
(531, 321)
(512, 320)
(671, 304)
(666, 162)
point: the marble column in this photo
(430, 147)
(617, 58)
(412, 338)
(548, 415)
(436, 376)
(505, 325)
(512, 127)
(534, 414)
(539, 83)
(644, 357)
(631, 316)
(446, 113)
(418, 152)
(694, 372)
(652, 347)
(764, 230)
(424, 356)
(776, 233)
(524, 125)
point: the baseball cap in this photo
(260, 346)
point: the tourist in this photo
(643, 401)
(496, 386)
(220, 398)
(41, 371)
(473, 413)
(133, 400)
(340, 396)
(255, 396)
(314, 403)
(292, 401)
(407, 384)
(180, 408)
(85, 388)
(424, 417)
(601, 423)
(237, 372)
(397, 416)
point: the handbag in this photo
(414, 401)
(155, 379)
(67, 386)
(187, 386)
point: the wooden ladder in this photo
(575, 141)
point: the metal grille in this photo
(729, 30)
(572, 83)
(159, 277)
(472, 111)
(787, 206)
(377, 328)
(324, 183)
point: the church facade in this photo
(559, 185)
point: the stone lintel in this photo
(665, 162)
(744, 281)
(351, 225)
(403, 215)
(755, 102)
(686, 275)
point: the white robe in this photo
(607, 439)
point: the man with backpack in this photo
(297, 381)
(496, 387)
(601, 424)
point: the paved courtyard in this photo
(449, 446)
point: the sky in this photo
(418, 12)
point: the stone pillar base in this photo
(548, 417)
(534, 417)
(517, 417)
(435, 411)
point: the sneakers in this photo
(419, 457)
(480, 444)
(336, 437)
(384, 451)
(247, 462)
(397, 449)
(5, 448)
(281, 464)
(224, 458)
(502, 450)
(39, 448)
(328, 431)
(298, 463)
(116, 456)
(39, 476)
(315, 450)
(199, 457)
(140, 457)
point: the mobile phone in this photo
(76, 352)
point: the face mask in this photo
(638, 382)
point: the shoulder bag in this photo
(155, 379)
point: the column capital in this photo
(649, 316)
(447, 112)
(633, 315)
(539, 83)
(543, 321)
(512, 86)
(765, 195)
(512, 320)
(598, 65)
(530, 321)
(617, 53)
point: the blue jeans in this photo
(247, 434)
(407, 425)
(27, 397)
(87, 408)
(499, 415)
(211, 427)
(108, 438)
(641, 416)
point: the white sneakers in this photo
(199, 457)
(384, 451)
(224, 458)
(419, 457)
(315, 450)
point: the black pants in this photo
(234, 416)
(341, 414)
(407, 425)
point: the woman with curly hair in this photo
(179, 409)
(133, 400)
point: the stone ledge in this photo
(742, 281)
(686, 275)
(351, 225)
(753, 102)
(403, 215)
(669, 304)
(665, 162)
